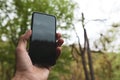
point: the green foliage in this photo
(17, 15)
(62, 68)
(15, 19)
(6, 60)
(106, 66)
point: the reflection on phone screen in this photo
(42, 44)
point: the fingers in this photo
(58, 36)
(59, 43)
(58, 50)
(59, 40)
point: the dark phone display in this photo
(42, 49)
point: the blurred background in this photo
(90, 29)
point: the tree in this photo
(15, 17)
(109, 40)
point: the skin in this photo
(25, 70)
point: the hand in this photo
(25, 70)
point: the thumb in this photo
(22, 58)
(23, 39)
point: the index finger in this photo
(58, 36)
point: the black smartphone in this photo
(42, 48)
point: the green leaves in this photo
(15, 19)
(62, 70)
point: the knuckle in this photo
(18, 49)
(21, 37)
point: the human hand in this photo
(25, 70)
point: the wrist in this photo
(22, 76)
(33, 74)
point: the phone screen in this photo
(42, 48)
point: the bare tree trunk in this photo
(86, 42)
(82, 54)
(85, 50)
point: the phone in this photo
(42, 48)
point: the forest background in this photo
(99, 63)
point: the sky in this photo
(106, 10)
